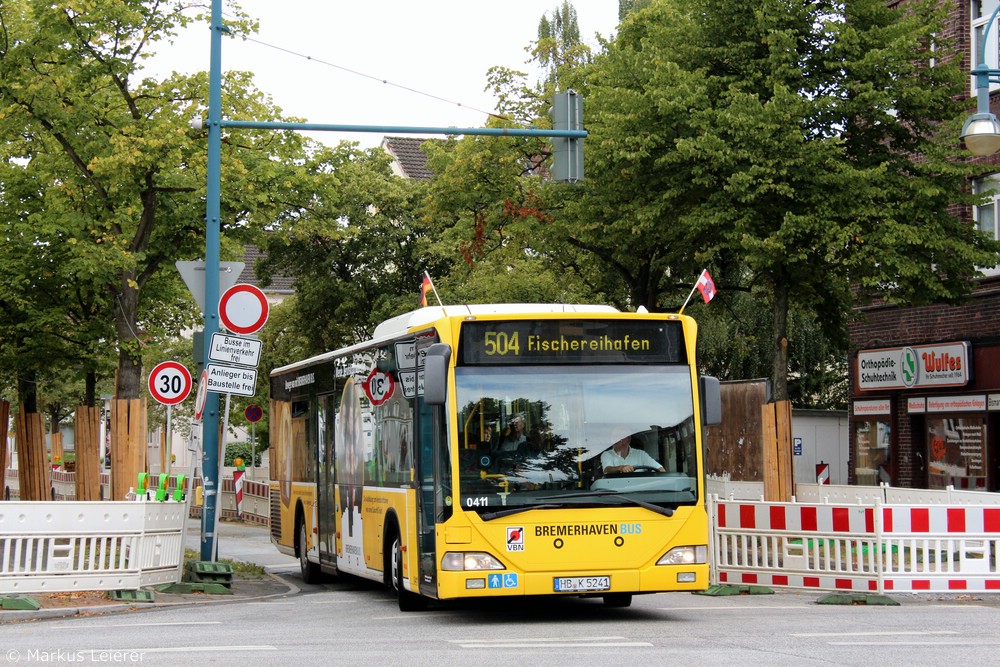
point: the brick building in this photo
(925, 382)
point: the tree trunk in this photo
(90, 389)
(27, 391)
(779, 369)
(129, 378)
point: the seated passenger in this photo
(623, 458)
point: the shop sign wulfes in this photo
(917, 366)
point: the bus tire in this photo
(618, 600)
(408, 601)
(310, 571)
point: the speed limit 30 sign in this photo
(169, 382)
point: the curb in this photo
(12, 616)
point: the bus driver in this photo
(621, 457)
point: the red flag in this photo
(706, 286)
(425, 288)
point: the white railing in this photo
(65, 546)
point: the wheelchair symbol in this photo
(502, 581)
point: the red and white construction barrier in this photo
(869, 548)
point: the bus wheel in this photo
(618, 600)
(408, 601)
(310, 571)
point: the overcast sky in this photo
(441, 48)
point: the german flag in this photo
(425, 289)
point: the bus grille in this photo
(276, 517)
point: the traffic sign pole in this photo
(213, 213)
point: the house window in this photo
(981, 11)
(985, 214)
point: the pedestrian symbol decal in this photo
(508, 580)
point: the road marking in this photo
(751, 609)
(133, 625)
(535, 639)
(931, 643)
(236, 649)
(560, 644)
(875, 633)
(550, 642)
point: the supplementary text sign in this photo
(239, 350)
(231, 380)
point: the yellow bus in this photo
(498, 450)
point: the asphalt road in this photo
(352, 622)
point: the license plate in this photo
(576, 584)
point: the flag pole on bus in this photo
(705, 285)
(428, 286)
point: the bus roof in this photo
(400, 324)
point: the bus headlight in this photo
(457, 561)
(685, 556)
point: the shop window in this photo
(872, 451)
(956, 453)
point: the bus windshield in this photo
(535, 436)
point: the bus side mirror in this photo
(711, 400)
(436, 374)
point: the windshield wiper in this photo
(605, 493)
(489, 516)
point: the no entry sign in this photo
(169, 382)
(243, 309)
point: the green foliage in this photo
(104, 183)
(350, 239)
(242, 450)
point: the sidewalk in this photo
(243, 542)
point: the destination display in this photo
(571, 341)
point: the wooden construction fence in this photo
(88, 452)
(128, 444)
(33, 457)
(5, 423)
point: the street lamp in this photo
(981, 132)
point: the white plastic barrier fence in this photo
(48, 547)
(889, 495)
(858, 548)
(726, 488)
(256, 493)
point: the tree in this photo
(833, 131)
(116, 175)
(805, 150)
(559, 46)
(350, 239)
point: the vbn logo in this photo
(515, 538)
